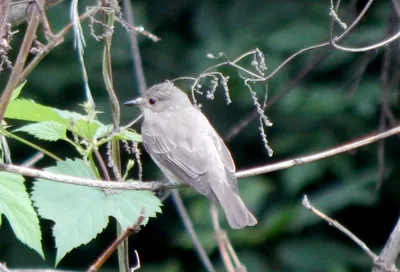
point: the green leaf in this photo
(17, 91)
(28, 110)
(17, 207)
(80, 213)
(49, 131)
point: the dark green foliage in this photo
(334, 104)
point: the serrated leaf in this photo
(49, 131)
(17, 207)
(80, 213)
(27, 110)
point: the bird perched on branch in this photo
(185, 146)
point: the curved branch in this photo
(367, 48)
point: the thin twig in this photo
(157, 185)
(111, 249)
(245, 121)
(14, 79)
(317, 156)
(280, 93)
(115, 158)
(133, 122)
(369, 47)
(219, 236)
(189, 228)
(382, 119)
(102, 164)
(138, 266)
(33, 160)
(51, 45)
(239, 267)
(133, 43)
(356, 21)
(340, 227)
(396, 6)
(4, 6)
(45, 23)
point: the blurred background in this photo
(321, 99)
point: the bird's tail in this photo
(235, 210)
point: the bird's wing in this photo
(184, 156)
(226, 158)
(224, 153)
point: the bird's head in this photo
(161, 98)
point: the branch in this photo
(50, 46)
(128, 232)
(225, 247)
(367, 48)
(388, 256)
(340, 227)
(317, 156)
(134, 46)
(14, 79)
(4, 10)
(218, 235)
(189, 228)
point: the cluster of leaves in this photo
(79, 213)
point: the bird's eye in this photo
(152, 101)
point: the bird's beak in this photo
(134, 102)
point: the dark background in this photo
(338, 101)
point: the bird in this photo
(187, 149)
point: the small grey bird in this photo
(187, 149)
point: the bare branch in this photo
(111, 249)
(224, 244)
(4, 10)
(396, 6)
(51, 45)
(187, 222)
(14, 79)
(33, 160)
(138, 266)
(340, 227)
(367, 48)
(218, 235)
(317, 156)
(133, 43)
(356, 21)
(388, 256)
